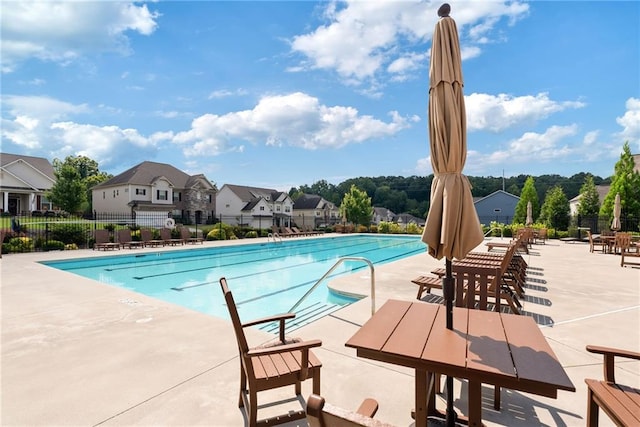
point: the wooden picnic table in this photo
(484, 347)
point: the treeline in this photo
(411, 194)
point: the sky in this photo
(280, 94)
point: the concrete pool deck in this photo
(76, 352)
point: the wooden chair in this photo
(267, 367)
(125, 240)
(621, 403)
(147, 238)
(475, 286)
(594, 242)
(322, 414)
(185, 234)
(165, 235)
(628, 249)
(540, 236)
(102, 240)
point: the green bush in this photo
(251, 234)
(55, 245)
(69, 233)
(413, 228)
(71, 247)
(217, 234)
(19, 244)
(362, 229)
(384, 227)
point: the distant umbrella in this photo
(529, 213)
(617, 210)
(452, 228)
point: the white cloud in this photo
(496, 113)
(630, 122)
(296, 120)
(225, 93)
(361, 37)
(61, 31)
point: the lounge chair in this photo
(147, 238)
(522, 239)
(186, 236)
(126, 241)
(286, 232)
(297, 232)
(165, 235)
(102, 240)
(286, 362)
(322, 414)
(620, 402)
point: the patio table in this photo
(484, 347)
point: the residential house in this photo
(310, 210)
(253, 207)
(405, 219)
(498, 206)
(602, 191)
(24, 180)
(382, 214)
(151, 192)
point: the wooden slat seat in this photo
(273, 366)
(322, 414)
(620, 402)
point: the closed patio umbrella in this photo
(617, 210)
(529, 213)
(452, 228)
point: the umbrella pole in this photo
(448, 289)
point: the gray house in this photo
(498, 206)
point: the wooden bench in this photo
(321, 414)
(621, 403)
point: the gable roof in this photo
(494, 194)
(247, 194)
(146, 173)
(39, 163)
(307, 201)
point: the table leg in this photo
(475, 403)
(421, 398)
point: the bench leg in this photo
(592, 410)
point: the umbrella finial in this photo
(444, 10)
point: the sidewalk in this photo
(77, 352)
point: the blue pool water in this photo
(265, 279)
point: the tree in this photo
(589, 204)
(88, 173)
(528, 194)
(555, 209)
(69, 192)
(626, 182)
(356, 207)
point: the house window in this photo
(209, 198)
(227, 205)
(162, 194)
(198, 195)
(177, 196)
(114, 194)
(262, 208)
(278, 208)
(287, 208)
(104, 194)
(141, 191)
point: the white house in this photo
(23, 183)
(382, 214)
(310, 210)
(253, 207)
(153, 191)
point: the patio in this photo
(77, 352)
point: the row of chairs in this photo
(124, 239)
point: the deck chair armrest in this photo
(609, 355)
(274, 318)
(320, 413)
(303, 345)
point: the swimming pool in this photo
(265, 278)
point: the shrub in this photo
(55, 245)
(362, 229)
(19, 244)
(217, 234)
(413, 228)
(69, 233)
(384, 227)
(71, 247)
(251, 234)
(373, 228)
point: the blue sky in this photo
(280, 94)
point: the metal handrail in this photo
(495, 228)
(340, 261)
(274, 235)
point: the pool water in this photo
(265, 278)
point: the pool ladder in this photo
(340, 261)
(275, 236)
